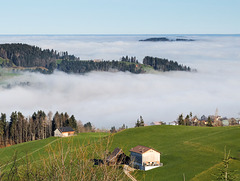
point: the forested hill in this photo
(46, 61)
(161, 64)
(23, 55)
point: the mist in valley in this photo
(107, 99)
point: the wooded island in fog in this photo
(164, 39)
(34, 58)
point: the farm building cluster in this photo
(141, 157)
(211, 120)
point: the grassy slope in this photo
(193, 151)
(38, 149)
(196, 152)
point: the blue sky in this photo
(120, 17)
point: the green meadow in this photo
(39, 149)
(193, 153)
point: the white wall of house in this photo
(151, 156)
(65, 134)
(173, 123)
(141, 161)
(57, 133)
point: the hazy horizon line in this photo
(117, 34)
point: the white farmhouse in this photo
(64, 132)
(173, 123)
(145, 158)
(155, 123)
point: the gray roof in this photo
(116, 152)
(65, 129)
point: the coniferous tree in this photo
(3, 124)
(55, 122)
(13, 128)
(113, 129)
(141, 121)
(20, 127)
(187, 121)
(88, 126)
(72, 122)
(180, 120)
(137, 124)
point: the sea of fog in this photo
(111, 99)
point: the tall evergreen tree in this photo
(88, 126)
(187, 121)
(141, 121)
(180, 120)
(72, 122)
(3, 124)
(13, 128)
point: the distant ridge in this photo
(166, 39)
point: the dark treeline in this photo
(46, 61)
(129, 59)
(129, 64)
(38, 126)
(31, 56)
(88, 66)
(164, 64)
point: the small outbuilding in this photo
(145, 158)
(117, 157)
(64, 132)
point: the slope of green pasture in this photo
(195, 152)
(189, 151)
(7, 153)
(40, 148)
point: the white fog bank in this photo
(107, 99)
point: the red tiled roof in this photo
(141, 149)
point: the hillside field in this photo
(38, 149)
(196, 152)
(193, 152)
